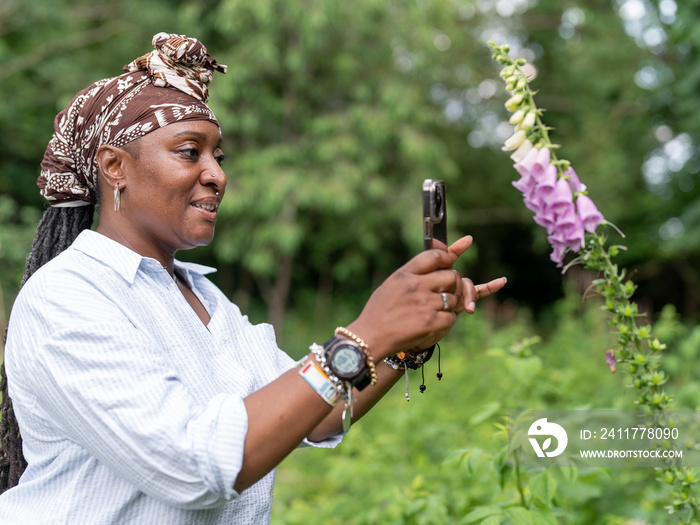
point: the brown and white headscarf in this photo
(164, 86)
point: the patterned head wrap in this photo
(164, 86)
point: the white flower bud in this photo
(529, 120)
(517, 117)
(515, 141)
(523, 149)
(507, 71)
(514, 102)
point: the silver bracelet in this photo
(343, 387)
(319, 352)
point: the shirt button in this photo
(224, 337)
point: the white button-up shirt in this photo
(131, 410)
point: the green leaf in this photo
(476, 462)
(479, 513)
(488, 410)
(543, 487)
(569, 473)
(522, 516)
(545, 517)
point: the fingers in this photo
(430, 261)
(437, 259)
(469, 295)
(491, 287)
(445, 281)
(474, 292)
(460, 246)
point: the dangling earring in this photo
(117, 198)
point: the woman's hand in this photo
(471, 292)
(407, 311)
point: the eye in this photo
(220, 158)
(192, 153)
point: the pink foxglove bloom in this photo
(561, 199)
(526, 184)
(574, 182)
(557, 254)
(589, 214)
(524, 166)
(571, 229)
(545, 218)
(533, 202)
(541, 162)
(547, 182)
(610, 359)
(566, 222)
(551, 199)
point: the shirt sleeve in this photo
(267, 348)
(106, 386)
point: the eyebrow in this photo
(201, 136)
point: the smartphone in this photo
(434, 214)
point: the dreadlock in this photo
(56, 231)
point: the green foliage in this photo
(441, 458)
(16, 235)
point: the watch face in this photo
(346, 361)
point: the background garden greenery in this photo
(333, 113)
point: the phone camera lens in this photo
(438, 203)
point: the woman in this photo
(142, 394)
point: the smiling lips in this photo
(208, 206)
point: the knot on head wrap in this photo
(162, 87)
(179, 62)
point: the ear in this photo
(112, 163)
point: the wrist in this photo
(376, 342)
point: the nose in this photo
(214, 176)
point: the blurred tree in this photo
(333, 114)
(672, 166)
(326, 109)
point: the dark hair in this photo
(56, 231)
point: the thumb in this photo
(461, 245)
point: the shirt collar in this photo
(123, 260)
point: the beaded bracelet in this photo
(404, 361)
(412, 361)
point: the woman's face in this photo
(169, 201)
